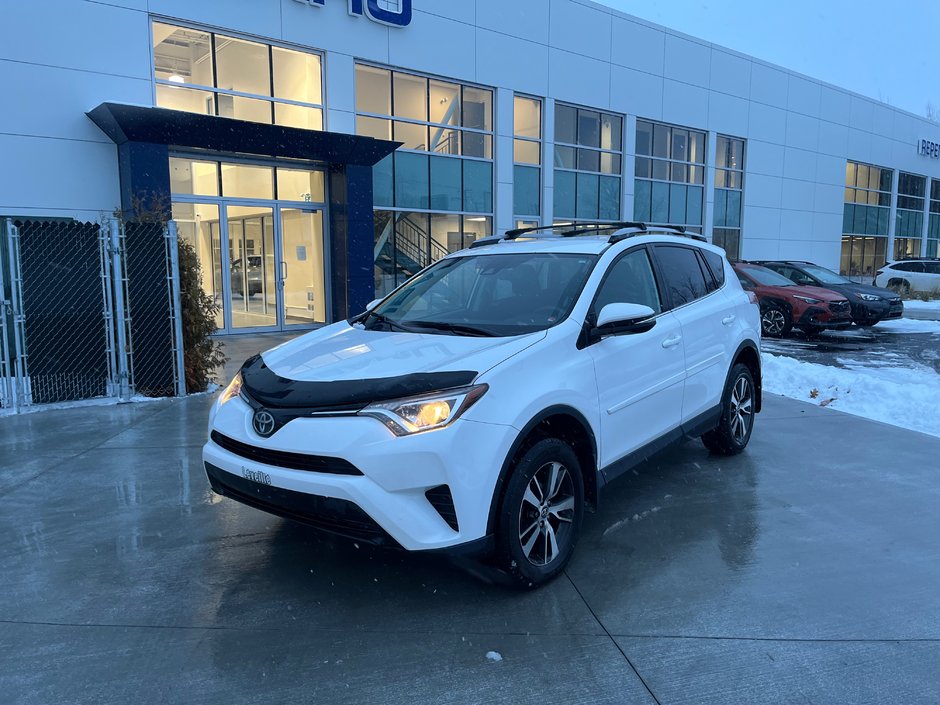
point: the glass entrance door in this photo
(252, 258)
(302, 267)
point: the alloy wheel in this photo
(773, 321)
(742, 409)
(546, 514)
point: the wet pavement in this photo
(868, 347)
(805, 570)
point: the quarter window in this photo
(682, 272)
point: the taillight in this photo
(752, 297)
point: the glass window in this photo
(866, 212)
(411, 180)
(182, 56)
(526, 191)
(477, 108)
(383, 183)
(629, 280)
(683, 276)
(589, 128)
(186, 99)
(297, 75)
(588, 197)
(445, 184)
(242, 66)
(374, 127)
(446, 235)
(609, 198)
(243, 181)
(411, 97)
(301, 185)
(300, 116)
(194, 178)
(527, 117)
(477, 186)
(411, 135)
(566, 124)
(445, 103)
(373, 90)
(595, 141)
(527, 152)
(565, 190)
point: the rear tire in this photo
(738, 404)
(775, 321)
(540, 514)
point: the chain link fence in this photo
(90, 310)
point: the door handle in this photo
(283, 270)
(728, 320)
(672, 342)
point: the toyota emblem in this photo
(263, 423)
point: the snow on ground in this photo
(917, 305)
(901, 396)
(909, 325)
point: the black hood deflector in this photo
(271, 391)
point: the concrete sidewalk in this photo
(805, 569)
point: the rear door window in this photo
(684, 279)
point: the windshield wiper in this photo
(453, 328)
(387, 321)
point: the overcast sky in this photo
(886, 50)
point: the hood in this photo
(816, 292)
(341, 352)
(854, 288)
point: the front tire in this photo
(540, 514)
(738, 404)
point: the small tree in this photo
(202, 355)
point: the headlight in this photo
(233, 389)
(807, 299)
(869, 297)
(425, 413)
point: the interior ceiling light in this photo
(176, 78)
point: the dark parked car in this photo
(784, 305)
(255, 276)
(870, 304)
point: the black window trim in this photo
(591, 315)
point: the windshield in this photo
(826, 276)
(491, 295)
(766, 277)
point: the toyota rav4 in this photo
(483, 405)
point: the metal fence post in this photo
(120, 320)
(177, 307)
(7, 387)
(20, 380)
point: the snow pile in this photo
(494, 656)
(917, 305)
(909, 325)
(895, 395)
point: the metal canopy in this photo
(175, 128)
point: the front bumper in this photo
(387, 503)
(815, 317)
(864, 311)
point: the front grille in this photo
(283, 459)
(840, 307)
(335, 516)
(442, 500)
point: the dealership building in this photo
(316, 152)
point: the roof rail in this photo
(576, 228)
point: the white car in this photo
(482, 405)
(910, 276)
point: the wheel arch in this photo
(558, 421)
(748, 354)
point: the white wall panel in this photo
(799, 164)
(258, 17)
(761, 223)
(728, 114)
(577, 79)
(796, 225)
(636, 92)
(687, 61)
(638, 46)
(684, 104)
(769, 85)
(448, 48)
(767, 123)
(764, 191)
(802, 131)
(835, 105)
(798, 195)
(764, 158)
(527, 72)
(833, 138)
(803, 96)
(581, 29)
(730, 73)
(862, 114)
(526, 19)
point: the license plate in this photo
(262, 478)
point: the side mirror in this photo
(372, 304)
(623, 319)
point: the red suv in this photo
(784, 305)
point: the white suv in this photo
(482, 405)
(910, 275)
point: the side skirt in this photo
(691, 429)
